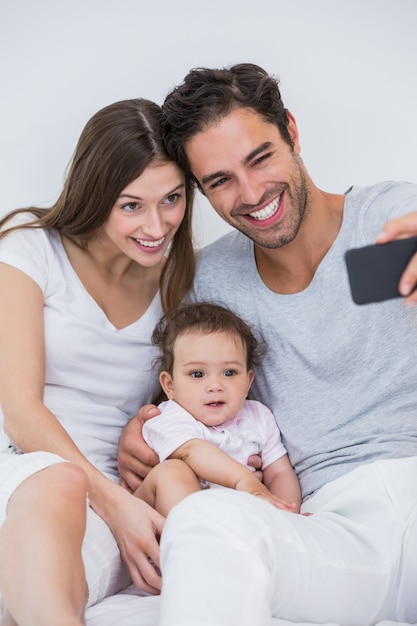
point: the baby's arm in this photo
(212, 464)
(282, 481)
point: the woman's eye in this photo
(130, 206)
(172, 198)
(196, 374)
(229, 372)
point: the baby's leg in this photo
(167, 484)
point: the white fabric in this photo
(128, 608)
(386, 490)
(341, 564)
(252, 431)
(97, 377)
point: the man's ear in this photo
(293, 131)
(167, 384)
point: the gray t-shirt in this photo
(341, 379)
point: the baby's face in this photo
(210, 377)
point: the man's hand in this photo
(255, 461)
(135, 457)
(405, 226)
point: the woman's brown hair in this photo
(115, 147)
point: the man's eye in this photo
(229, 372)
(196, 374)
(219, 182)
(263, 157)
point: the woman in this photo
(86, 281)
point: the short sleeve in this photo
(274, 449)
(168, 431)
(28, 250)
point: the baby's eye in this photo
(229, 372)
(197, 374)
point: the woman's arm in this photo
(32, 426)
(214, 465)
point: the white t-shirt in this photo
(96, 375)
(252, 431)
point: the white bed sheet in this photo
(130, 608)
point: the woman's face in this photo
(147, 213)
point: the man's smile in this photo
(268, 211)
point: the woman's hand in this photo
(405, 226)
(135, 457)
(137, 528)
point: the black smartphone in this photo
(375, 271)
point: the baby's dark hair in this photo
(206, 318)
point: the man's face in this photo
(254, 180)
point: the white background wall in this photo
(348, 71)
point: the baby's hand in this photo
(278, 503)
(253, 486)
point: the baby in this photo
(208, 429)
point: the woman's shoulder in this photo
(29, 249)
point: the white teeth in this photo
(267, 211)
(150, 244)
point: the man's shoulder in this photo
(223, 267)
(233, 245)
(234, 238)
(382, 190)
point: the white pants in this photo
(231, 559)
(105, 572)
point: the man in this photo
(340, 378)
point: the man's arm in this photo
(212, 464)
(135, 458)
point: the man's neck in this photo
(291, 268)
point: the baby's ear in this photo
(167, 384)
(251, 376)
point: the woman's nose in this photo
(154, 226)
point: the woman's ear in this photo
(167, 384)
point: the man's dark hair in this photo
(208, 95)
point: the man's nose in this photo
(249, 191)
